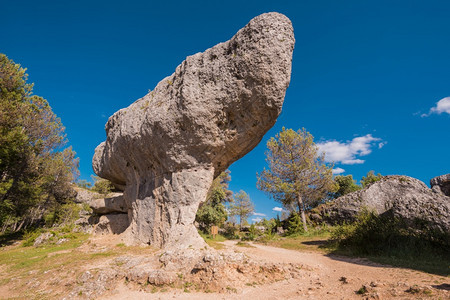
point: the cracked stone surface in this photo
(165, 149)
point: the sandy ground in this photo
(324, 277)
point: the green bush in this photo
(62, 214)
(30, 236)
(294, 224)
(373, 234)
(231, 231)
(102, 186)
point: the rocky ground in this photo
(102, 268)
(321, 277)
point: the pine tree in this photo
(297, 174)
(242, 207)
(35, 169)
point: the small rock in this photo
(42, 239)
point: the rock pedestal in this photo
(166, 148)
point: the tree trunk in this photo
(301, 206)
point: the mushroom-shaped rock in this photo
(166, 148)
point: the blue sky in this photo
(366, 77)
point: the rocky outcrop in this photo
(111, 224)
(84, 195)
(114, 203)
(188, 269)
(166, 148)
(400, 196)
(441, 184)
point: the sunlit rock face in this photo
(166, 148)
(441, 184)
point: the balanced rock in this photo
(441, 184)
(166, 148)
(402, 197)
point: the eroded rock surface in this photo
(404, 197)
(166, 148)
(441, 184)
(114, 203)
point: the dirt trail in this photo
(323, 277)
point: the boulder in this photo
(112, 224)
(441, 184)
(113, 204)
(166, 148)
(85, 196)
(403, 197)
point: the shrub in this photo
(231, 231)
(102, 186)
(294, 224)
(374, 234)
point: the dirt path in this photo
(323, 277)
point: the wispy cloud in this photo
(337, 171)
(259, 214)
(257, 220)
(442, 106)
(346, 153)
(277, 209)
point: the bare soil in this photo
(324, 277)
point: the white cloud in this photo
(381, 145)
(336, 171)
(442, 106)
(346, 152)
(257, 220)
(277, 209)
(259, 214)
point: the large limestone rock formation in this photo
(403, 197)
(165, 149)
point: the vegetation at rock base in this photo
(213, 210)
(391, 240)
(297, 174)
(36, 171)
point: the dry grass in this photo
(46, 271)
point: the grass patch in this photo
(40, 258)
(309, 241)
(244, 244)
(214, 242)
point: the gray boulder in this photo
(115, 203)
(85, 196)
(441, 184)
(112, 224)
(166, 148)
(403, 197)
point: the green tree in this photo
(242, 207)
(297, 173)
(35, 170)
(213, 211)
(370, 178)
(345, 185)
(102, 186)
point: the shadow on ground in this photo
(438, 265)
(7, 239)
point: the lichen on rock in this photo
(166, 148)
